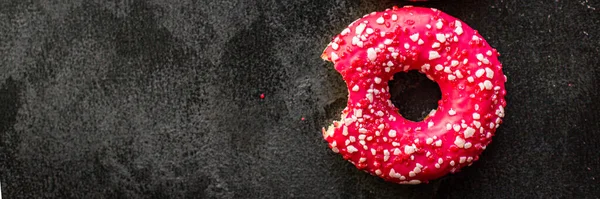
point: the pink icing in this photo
(371, 133)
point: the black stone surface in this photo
(160, 99)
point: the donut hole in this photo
(414, 94)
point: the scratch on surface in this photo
(585, 3)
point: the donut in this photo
(373, 136)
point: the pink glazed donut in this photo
(371, 133)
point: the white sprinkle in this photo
(469, 159)
(371, 54)
(409, 149)
(351, 149)
(335, 46)
(390, 63)
(361, 160)
(438, 143)
(335, 149)
(439, 67)
(486, 61)
(458, 30)
(488, 53)
(476, 107)
(479, 72)
(397, 151)
(355, 88)
(358, 112)
(468, 145)
(451, 112)
(417, 170)
(362, 136)
(370, 97)
(452, 163)
(432, 113)
(448, 126)
(469, 132)
(434, 55)
(334, 56)
(355, 40)
(388, 41)
(459, 142)
(451, 77)
(377, 80)
(456, 127)
(470, 79)
(360, 28)
(380, 113)
(435, 45)
(362, 130)
(488, 85)
(429, 124)
(429, 140)
(394, 17)
(378, 172)
(462, 160)
(425, 67)
(440, 37)
(392, 133)
(414, 37)
(345, 31)
(477, 124)
(476, 116)
(447, 69)
(411, 174)
(428, 26)
(392, 173)
(345, 131)
(454, 63)
(406, 45)
(489, 73)
(458, 74)
(373, 151)
(479, 57)
(421, 42)
(428, 154)
(437, 165)
(370, 31)
(439, 24)
(352, 139)
(380, 20)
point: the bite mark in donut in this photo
(371, 133)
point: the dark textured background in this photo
(149, 99)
